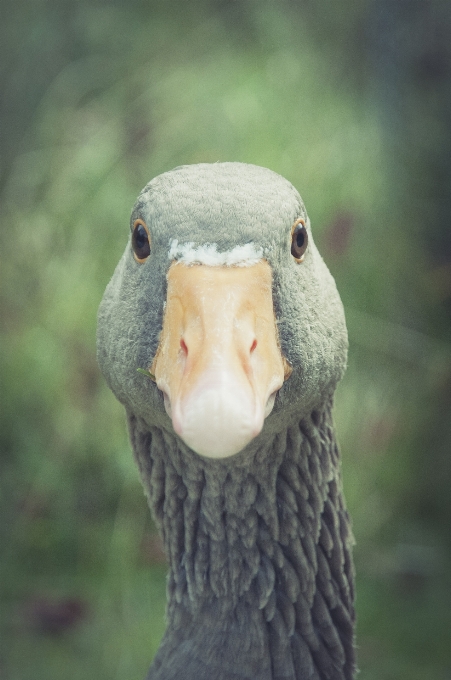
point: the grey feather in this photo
(260, 581)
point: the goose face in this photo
(222, 294)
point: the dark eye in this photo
(299, 240)
(140, 241)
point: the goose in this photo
(223, 335)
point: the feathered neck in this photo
(260, 573)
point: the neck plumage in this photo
(260, 573)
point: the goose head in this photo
(223, 296)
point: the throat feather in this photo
(257, 548)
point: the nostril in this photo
(253, 346)
(183, 346)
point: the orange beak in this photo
(219, 363)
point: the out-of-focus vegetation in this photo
(351, 102)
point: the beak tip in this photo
(217, 423)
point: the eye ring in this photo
(140, 241)
(299, 240)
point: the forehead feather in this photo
(225, 203)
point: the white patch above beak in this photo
(207, 254)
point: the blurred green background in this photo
(351, 102)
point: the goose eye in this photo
(140, 241)
(299, 240)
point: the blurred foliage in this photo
(350, 105)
